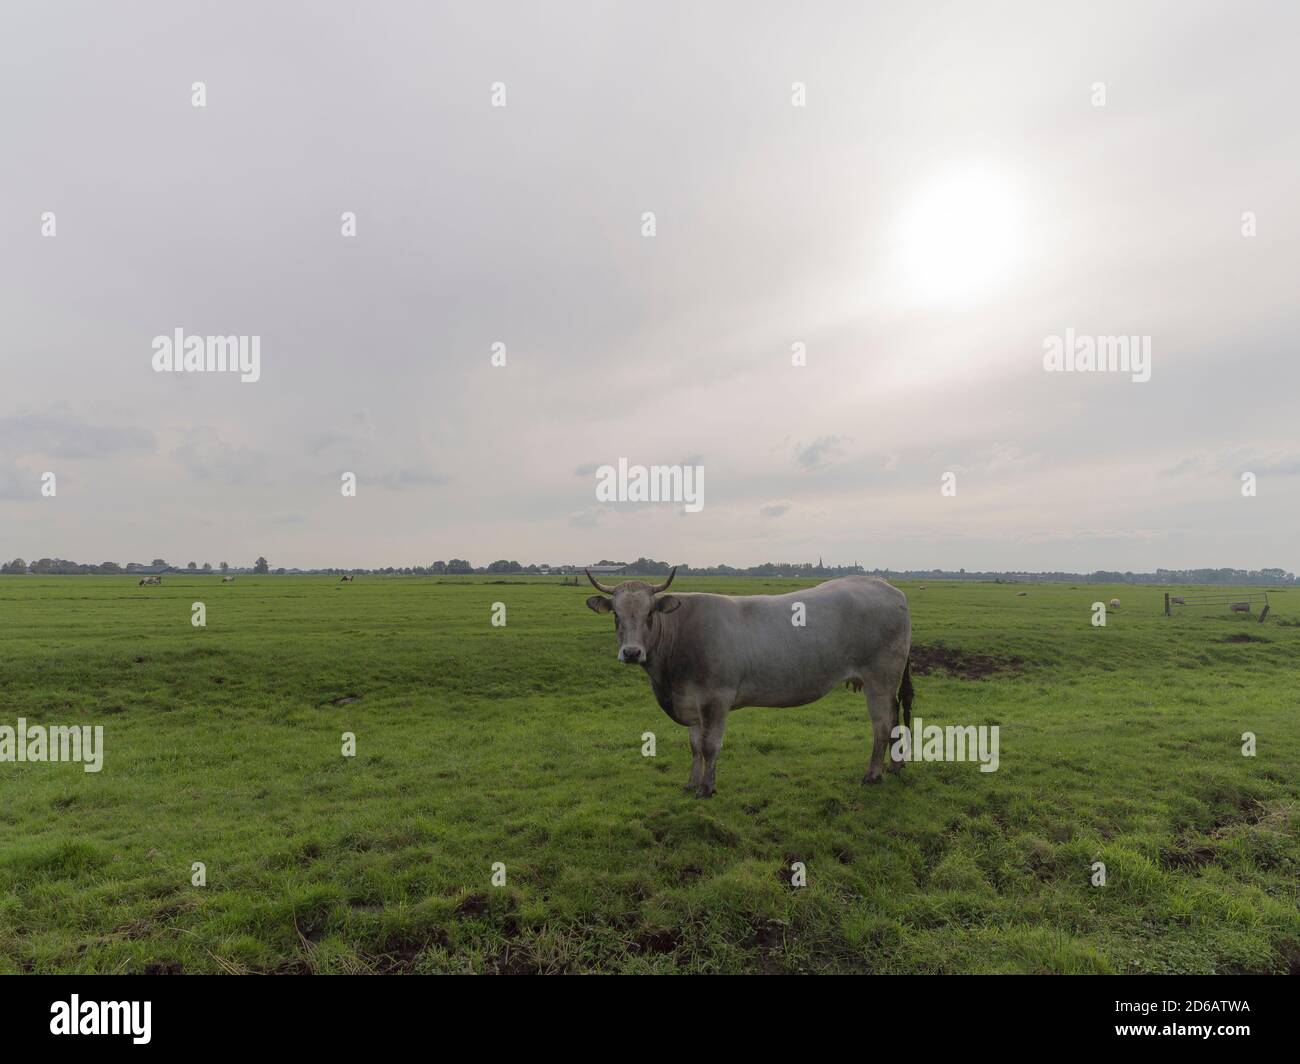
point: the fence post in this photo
(1166, 603)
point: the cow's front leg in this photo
(697, 759)
(713, 723)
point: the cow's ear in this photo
(667, 603)
(599, 603)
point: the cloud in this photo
(18, 486)
(400, 479)
(1000, 458)
(330, 439)
(590, 517)
(206, 456)
(59, 435)
(819, 452)
(1237, 460)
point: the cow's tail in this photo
(903, 700)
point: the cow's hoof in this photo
(895, 766)
(703, 792)
(869, 778)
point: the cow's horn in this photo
(597, 584)
(664, 586)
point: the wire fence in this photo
(1237, 603)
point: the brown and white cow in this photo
(709, 654)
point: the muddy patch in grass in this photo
(929, 657)
(766, 934)
(515, 961)
(786, 872)
(400, 961)
(473, 905)
(661, 941)
(400, 954)
(689, 874)
(770, 938)
(1186, 857)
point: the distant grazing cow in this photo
(148, 580)
(1240, 607)
(346, 580)
(709, 654)
(227, 579)
(1178, 600)
(1021, 594)
(1114, 604)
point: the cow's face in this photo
(634, 608)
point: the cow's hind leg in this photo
(880, 704)
(903, 711)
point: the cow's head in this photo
(634, 605)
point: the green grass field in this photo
(522, 745)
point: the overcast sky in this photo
(949, 196)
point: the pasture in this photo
(523, 745)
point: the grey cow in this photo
(709, 654)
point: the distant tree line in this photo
(63, 567)
(649, 567)
(1236, 577)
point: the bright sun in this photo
(960, 237)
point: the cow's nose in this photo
(631, 655)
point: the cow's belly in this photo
(789, 690)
